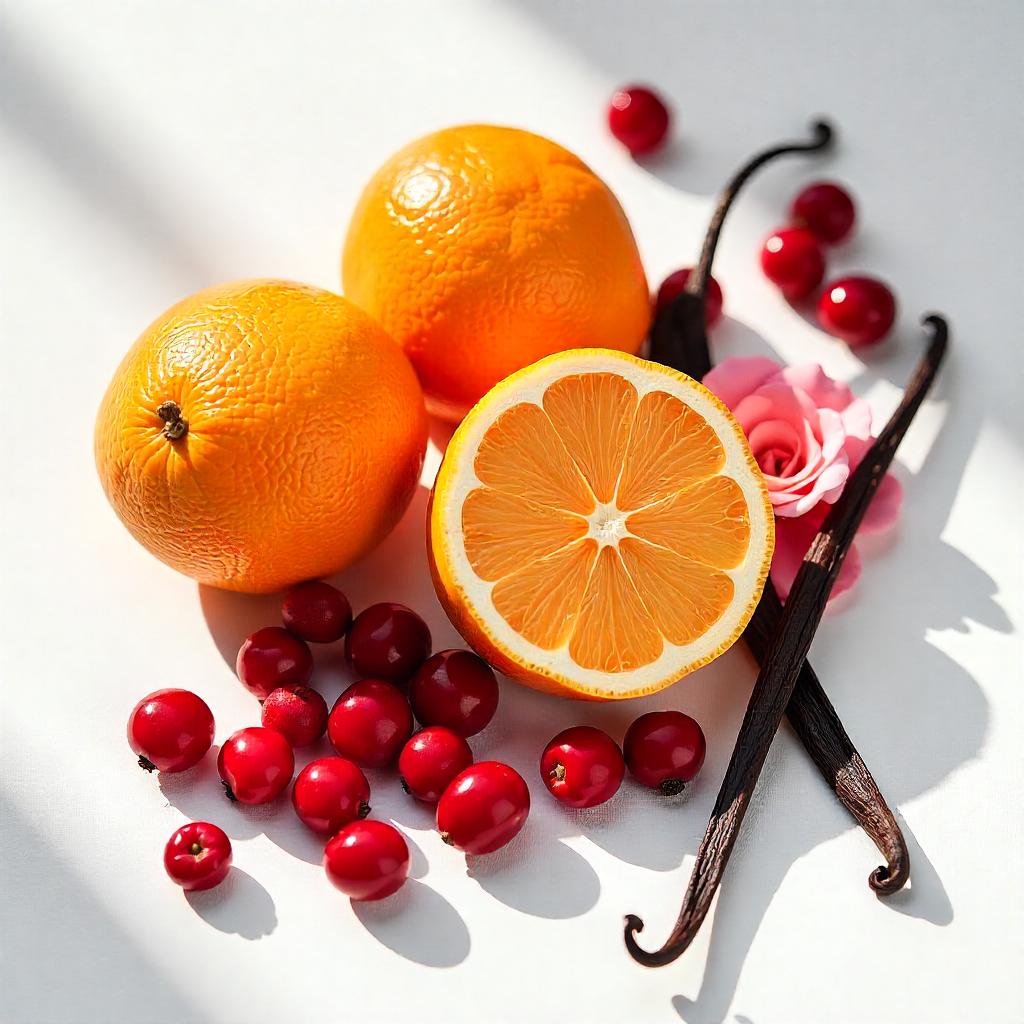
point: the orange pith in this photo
(598, 460)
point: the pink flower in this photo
(807, 432)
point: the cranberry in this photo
(387, 641)
(329, 793)
(638, 118)
(298, 713)
(198, 856)
(367, 860)
(430, 760)
(483, 808)
(860, 310)
(255, 765)
(370, 723)
(170, 730)
(791, 259)
(673, 286)
(272, 657)
(582, 767)
(455, 689)
(826, 209)
(317, 612)
(664, 750)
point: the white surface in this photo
(150, 149)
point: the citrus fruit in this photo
(261, 433)
(598, 527)
(481, 249)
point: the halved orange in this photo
(599, 527)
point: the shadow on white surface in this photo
(417, 923)
(238, 906)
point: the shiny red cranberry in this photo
(483, 808)
(638, 118)
(198, 856)
(367, 860)
(582, 767)
(860, 310)
(330, 793)
(387, 641)
(370, 723)
(455, 689)
(664, 750)
(791, 259)
(430, 760)
(826, 209)
(255, 765)
(170, 730)
(316, 612)
(298, 713)
(674, 285)
(272, 657)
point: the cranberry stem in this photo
(228, 793)
(558, 772)
(175, 425)
(672, 787)
(145, 763)
(364, 807)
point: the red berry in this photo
(791, 259)
(860, 310)
(455, 689)
(370, 723)
(272, 657)
(330, 793)
(673, 286)
(170, 730)
(317, 612)
(483, 808)
(198, 856)
(827, 209)
(298, 713)
(367, 860)
(664, 750)
(430, 760)
(582, 767)
(387, 641)
(638, 119)
(255, 765)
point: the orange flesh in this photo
(604, 523)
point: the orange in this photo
(260, 433)
(481, 249)
(599, 527)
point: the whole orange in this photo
(481, 249)
(260, 433)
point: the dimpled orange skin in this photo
(306, 435)
(482, 249)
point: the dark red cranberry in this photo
(272, 657)
(791, 258)
(255, 765)
(370, 723)
(483, 808)
(638, 118)
(664, 750)
(387, 641)
(367, 860)
(860, 310)
(170, 730)
(455, 689)
(317, 612)
(430, 760)
(826, 209)
(298, 713)
(329, 793)
(198, 856)
(673, 285)
(582, 766)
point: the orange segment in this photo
(707, 522)
(541, 601)
(523, 455)
(685, 598)
(615, 633)
(503, 532)
(593, 414)
(671, 448)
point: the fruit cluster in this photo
(453, 694)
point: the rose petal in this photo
(823, 391)
(792, 539)
(734, 378)
(885, 506)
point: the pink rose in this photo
(807, 432)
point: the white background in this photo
(151, 149)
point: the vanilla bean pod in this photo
(782, 663)
(679, 339)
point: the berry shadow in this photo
(238, 906)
